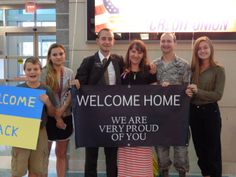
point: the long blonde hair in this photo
(51, 73)
(195, 65)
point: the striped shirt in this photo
(135, 162)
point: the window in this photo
(20, 47)
(1, 17)
(44, 42)
(1, 68)
(1, 45)
(17, 41)
(46, 17)
(19, 17)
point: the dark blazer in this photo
(90, 70)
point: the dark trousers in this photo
(205, 123)
(91, 157)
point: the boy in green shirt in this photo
(34, 161)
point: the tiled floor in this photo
(76, 163)
(6, 173)
(5, 158)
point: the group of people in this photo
(57, 123)
(204, 81)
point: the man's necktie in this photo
(106, 77)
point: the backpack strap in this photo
(100, 74)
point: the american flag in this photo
(106, 14)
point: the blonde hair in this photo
(195, 65)
(51, 73)
(33, 60)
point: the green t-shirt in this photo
(51, 97)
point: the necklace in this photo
(134, 75)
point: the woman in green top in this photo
(208, 80)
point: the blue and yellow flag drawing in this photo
(20, 116)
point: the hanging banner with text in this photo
(119, 115)
(20, 116)
(116, 15)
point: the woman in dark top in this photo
(137, 65)
(136, 161)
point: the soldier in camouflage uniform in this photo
(172, 70)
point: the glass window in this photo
(17, 17)
(1, 45)
(46, 17)
(20, 18)
(1, 17)
(18, 48)
(44, 43)
(1, 68)
(19, 45)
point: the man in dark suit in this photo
(102, 68)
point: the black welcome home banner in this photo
(139, 115)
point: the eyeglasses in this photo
(56, 54)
